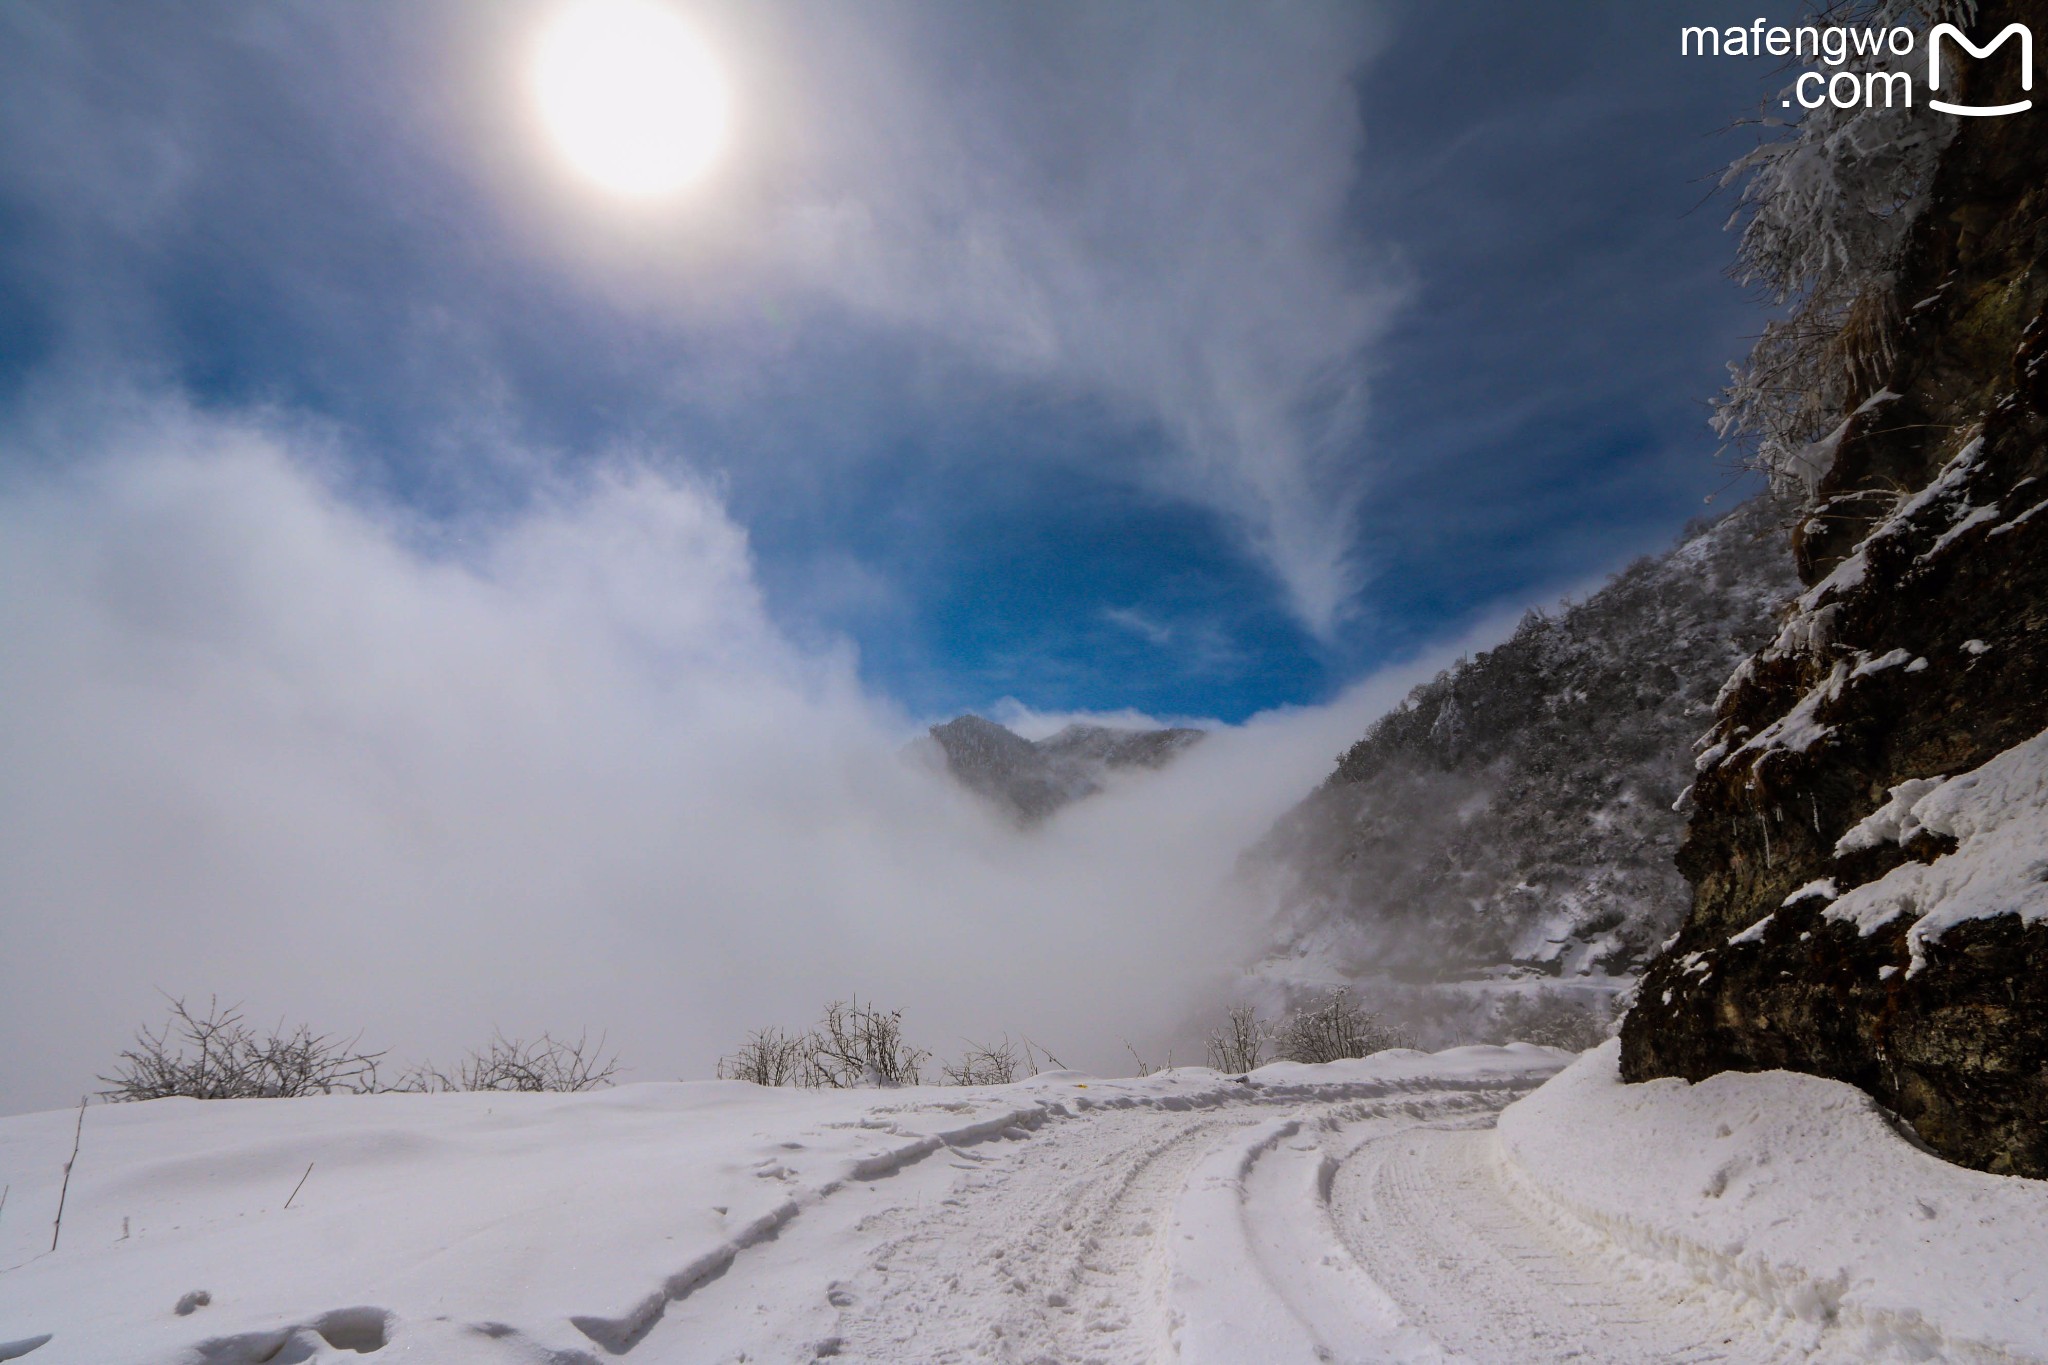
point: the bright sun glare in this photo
(630, 95)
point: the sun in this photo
(630, 95)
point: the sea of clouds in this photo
(267, 735)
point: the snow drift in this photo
(1798, 1197)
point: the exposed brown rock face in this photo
(1929, 542)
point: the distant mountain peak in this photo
(1030, 779)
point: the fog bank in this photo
(265, 738)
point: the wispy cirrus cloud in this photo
(1144, 208)
(1139, 624)
(1150, 212)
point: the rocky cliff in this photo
(1869, 843)
(1512, 821)
(1030, 779)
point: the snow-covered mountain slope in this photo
(1354, 1212)
(1032, 779)
(1514, 818)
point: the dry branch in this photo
(64, 1190)
(215, 1055)
(984, 1064)
(1336, 1029)
(1239, 1045)
(541, 1065)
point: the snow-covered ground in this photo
(1793, 1198)
(1363, 1211)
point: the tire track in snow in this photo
(1065, 1244)
(1280, 1284)
(1063, 1250)
(1428, 1220)
(1048, 1254)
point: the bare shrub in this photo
(1336, 1029)
(1552, 1020)
(1239, 1045)
(215, 1055)
(771, 1057)
(1146, 1068)
(983, 1064)
(854, 1045)
(544, 1064)
(1032, 1052)
(858, 1045)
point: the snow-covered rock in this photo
(1030, 779)
(1887, 745)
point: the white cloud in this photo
(256, 741)
(1139, 624)
(1152, 211)
(1144, 206)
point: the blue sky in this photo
(438, 593)
(1312, 334)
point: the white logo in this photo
(1934, 68)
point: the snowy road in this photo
(1426, 1217)
(1318, 1231)
(1059, 1246)
(1363, 1211)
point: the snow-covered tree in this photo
(1824, 207)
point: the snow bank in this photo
(1796, 1194)
(496, 1228)
(528, 1224)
